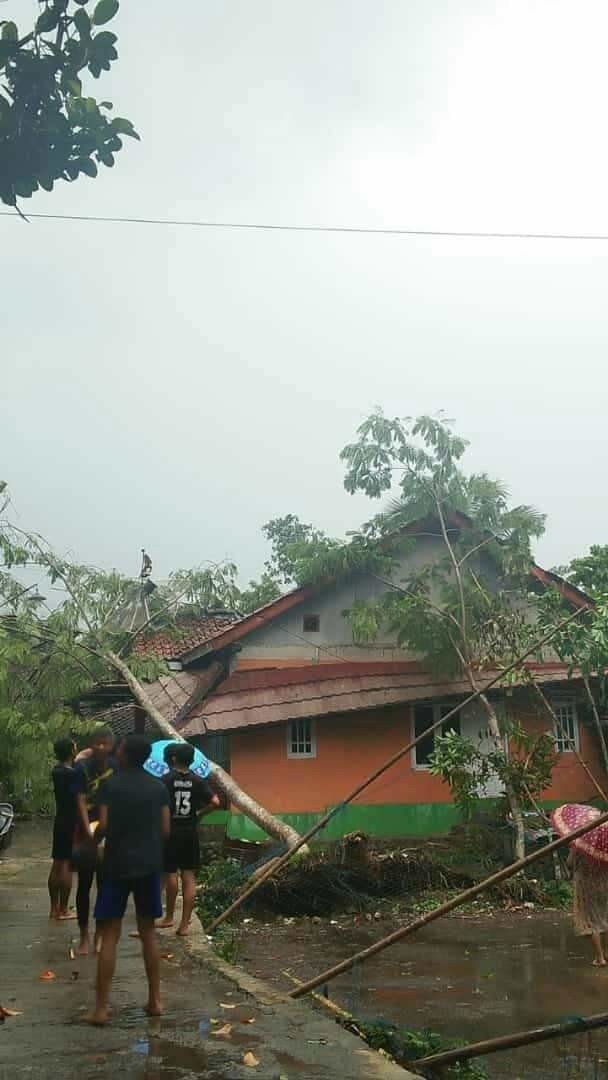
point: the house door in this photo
(474, 727)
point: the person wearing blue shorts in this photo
(134, 820)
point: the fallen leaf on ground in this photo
(47, 976)
(71, 954)
(248, 1020)
(166, 955)
(250, 1059)
(75, 975)
(224, 1031)
(4, 1012)
(223, 1005)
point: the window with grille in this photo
(424, 717)
(566, 730)
(301, 740)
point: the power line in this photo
(346, 229)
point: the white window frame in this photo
(436, 706)
(567, 703)
(296, 754)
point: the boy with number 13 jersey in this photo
(188, 797)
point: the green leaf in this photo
(106, 105)
(104, 11)
(5, 113)
(87, 166)
(74, 86)
(25, 187)
(121, 126)
(47, 21)
(82, 23)
(46, 181)
(10, 32)
(103, 41)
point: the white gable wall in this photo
(285, 638)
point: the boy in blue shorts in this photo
(134, 820)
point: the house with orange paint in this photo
(299, 713)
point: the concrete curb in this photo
(200, 952)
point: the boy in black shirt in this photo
(60, 877)
(188, 796)
(134, 820)
(90, 776)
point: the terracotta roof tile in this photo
(190, 634)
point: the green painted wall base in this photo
(376, 819)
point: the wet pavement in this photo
(288, 1041)
(469, 978)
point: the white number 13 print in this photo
(183, 803)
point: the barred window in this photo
(566, 731)
(301, 741)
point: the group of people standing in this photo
(132, 835)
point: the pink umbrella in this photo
(571, 816)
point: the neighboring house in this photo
(300, 714)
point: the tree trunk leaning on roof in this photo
(271, 825)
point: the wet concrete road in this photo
(468, 978)
(49, 1040)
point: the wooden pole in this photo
(444, 909)
(323, 820)
(575, 1026)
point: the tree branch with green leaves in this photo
(50, 129)
(462, 610)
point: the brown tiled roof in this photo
(253, 698)
(188, 635)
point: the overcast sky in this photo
(176, 387)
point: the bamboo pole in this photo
(325, 818)
(575, 1026)
(444, 909)
(326, 1002)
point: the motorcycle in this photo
(7, 816)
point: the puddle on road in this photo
(286, 1061)
(469, 979)
(176, 1055)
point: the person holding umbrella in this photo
(589, 861)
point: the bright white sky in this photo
(175, 388)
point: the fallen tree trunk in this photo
(220, 779)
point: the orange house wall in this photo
(570, 782)
(349, 747)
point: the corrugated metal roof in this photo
(241, 704)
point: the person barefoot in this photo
(189, 797)
(134, 820)
(60, 877)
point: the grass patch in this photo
(406, 1046)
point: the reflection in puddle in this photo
(469, 979)
(179, 1056)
